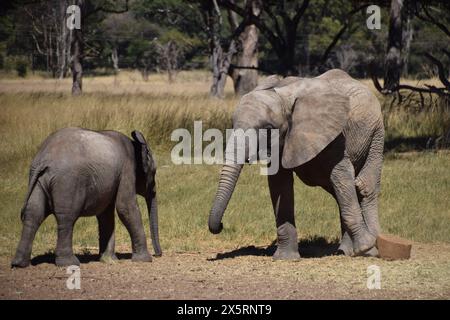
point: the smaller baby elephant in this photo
(79, 172)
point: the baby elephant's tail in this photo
(34, 176)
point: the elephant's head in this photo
(309, 114)
(146, 184)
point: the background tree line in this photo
(236, 38)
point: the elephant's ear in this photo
(145, 152)
(318, 117)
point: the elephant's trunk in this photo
(228, 178)
(152, 206)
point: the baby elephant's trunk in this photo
(152, 207)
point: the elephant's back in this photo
(82, 166)
(76, 155)
(71, 147)
(364, 105)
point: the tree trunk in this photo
(115, 59)
(52, 59)
(62, 40)
(171, 74)
(304, 68)
(77, 50)
(68, 53)
(47, 51)
(172, 60)
(77, 67)
(407, 38)
(144, 72)
(393, 61)
(220, 64)
(288, 66)
(220, 60)
(245, 80)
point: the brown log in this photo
(392, 247)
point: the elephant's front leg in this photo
(342, 181)
(282, 195)
(64, 250)
(130, 215)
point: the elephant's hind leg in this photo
(346, 247)
(342, 180)
(368, 184)
(34, 214)
(282, 196)
(106, 235)
(369, 207)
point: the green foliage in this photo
(136, 35)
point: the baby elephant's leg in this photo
(130, 215)
(33, 215)
(106, 235)
(64, 249)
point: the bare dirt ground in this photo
(244, 273)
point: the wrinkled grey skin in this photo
(331, 135)
(79, 172)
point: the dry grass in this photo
(190, 83)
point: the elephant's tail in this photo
(368, 180)
(34, 176)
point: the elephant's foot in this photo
(141, 257)
(345, 249)
(346, 246)
(64, 261)
(363, 243)
(373, 252)
(20, 262)
(281, 254)
(287, 243)
(109, 258)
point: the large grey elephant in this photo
(331, 135)
(79, 172)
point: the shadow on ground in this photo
(309, 248)
(84, 258)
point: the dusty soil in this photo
(244, 273)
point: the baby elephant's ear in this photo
(145, 153)
(138, 137)
(317, 119)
